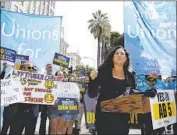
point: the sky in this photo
(75, 22)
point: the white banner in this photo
(67, 90)
(37, 88)
(163, 108)
(11, 91)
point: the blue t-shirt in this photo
(171, 84)
(142, 84)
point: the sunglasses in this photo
(151, 80)
(31, 68)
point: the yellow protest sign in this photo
(163, 108)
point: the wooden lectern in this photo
(127, 104)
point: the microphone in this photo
(148, 93)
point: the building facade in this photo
(63, 47)
(75, 59)
(30, 7)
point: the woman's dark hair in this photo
(109, 64)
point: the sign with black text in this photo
(68, 105)
(69, 95)
(11, 91)
(61, 60)
(163, 108)
(37, 88)
(8, 55)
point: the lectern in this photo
(127, 104)
(137, 103)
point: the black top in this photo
(3, 74)
(109, 88)
(106, 85)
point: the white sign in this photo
(67, 90)
(163, 108)
(38, 91)
(11, 91)
(37, 88)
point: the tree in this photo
(116, 39)
(105, 41)
(98, 27)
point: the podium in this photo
(137, 103)
(127, 104)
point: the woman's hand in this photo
(93, 74)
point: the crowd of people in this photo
(20, 116)
(110, 81)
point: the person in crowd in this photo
(81, 105)
(81, 109)
(9, 110)
(56, 120)
(3, 70)
(171, 83)
(112, 77)
(68, 117)
(43, 108)
(153, 81)
(6, 118)
(27, 114)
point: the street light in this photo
(90, 59)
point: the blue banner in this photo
(81, 73)
(8, 55)
(22, 57)
(61, 60)
(150, 36)
(35, 36)
(68, 105)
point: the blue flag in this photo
(150, 36)
(35, 36)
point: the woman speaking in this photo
(111, 81)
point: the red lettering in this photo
(28, 89)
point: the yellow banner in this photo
(65, 107)
(90, 117)
(164, 110)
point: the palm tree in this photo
(97, 27)
(105, 41)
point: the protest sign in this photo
(61, 60)
(8, 55)
(68, 94)
(68, 105)
(11, 91)
(37, 88)
(81, 73)
(90, 109)
(20, 60)
(163, 109)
